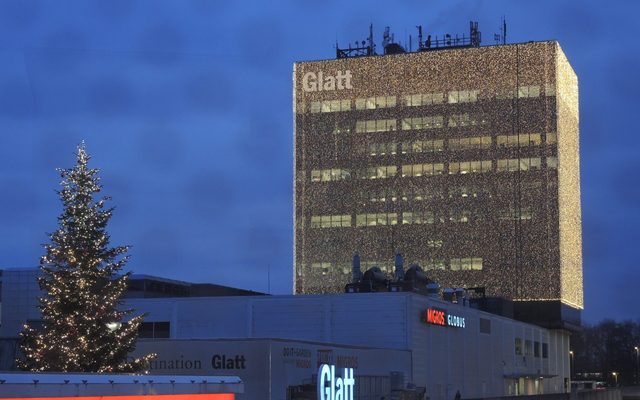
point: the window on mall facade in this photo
(518, 346)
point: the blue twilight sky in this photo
(185, 106)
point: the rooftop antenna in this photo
(504, 30)
(501, 38)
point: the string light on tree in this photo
(83, 324)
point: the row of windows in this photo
(465, 167)
(331, 221)
(375, 125)
(455, 144)
(430, 169)
(422, 99)
(453, 264)
(414, 218)
(418, 123)
(328, 175)
(426, 169)
(330, 106)
(371, 103)
(531, 348)
(385, 195)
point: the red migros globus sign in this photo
(439, 316)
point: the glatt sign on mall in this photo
(318, 81)
(332, 387)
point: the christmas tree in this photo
(83, 324)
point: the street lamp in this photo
(637, 350)
(615, 377)
(571, 364)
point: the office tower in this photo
(465, 159)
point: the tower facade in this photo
(464, 160)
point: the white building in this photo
(452, 347)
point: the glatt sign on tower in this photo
(318, 81)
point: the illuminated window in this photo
(379, 172)
(418, 123)
(549, 89)
(552, 137)
(330, 106)
(529, 91)
(418, 217)
(423, 146)
(522, 140)
(331, 221)
(421, 194)
(422, 169)
(380, 196)
(523, 164)
(479, 142)
(328, 175)
(376, 219)
(466, 167)
(435, 263)
(382, 149)
(518, 346)
(462, 120)
(434, 243)
(375, 125)
(415, 100)
(463, 96)
(325, 268)
(552, 162)
(469, 191)
(460, 216)
(371, 103)
(513, 214)
(466, 264)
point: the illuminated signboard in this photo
(318, 82)
(207, 396)
(332, 387)
(437, 316)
